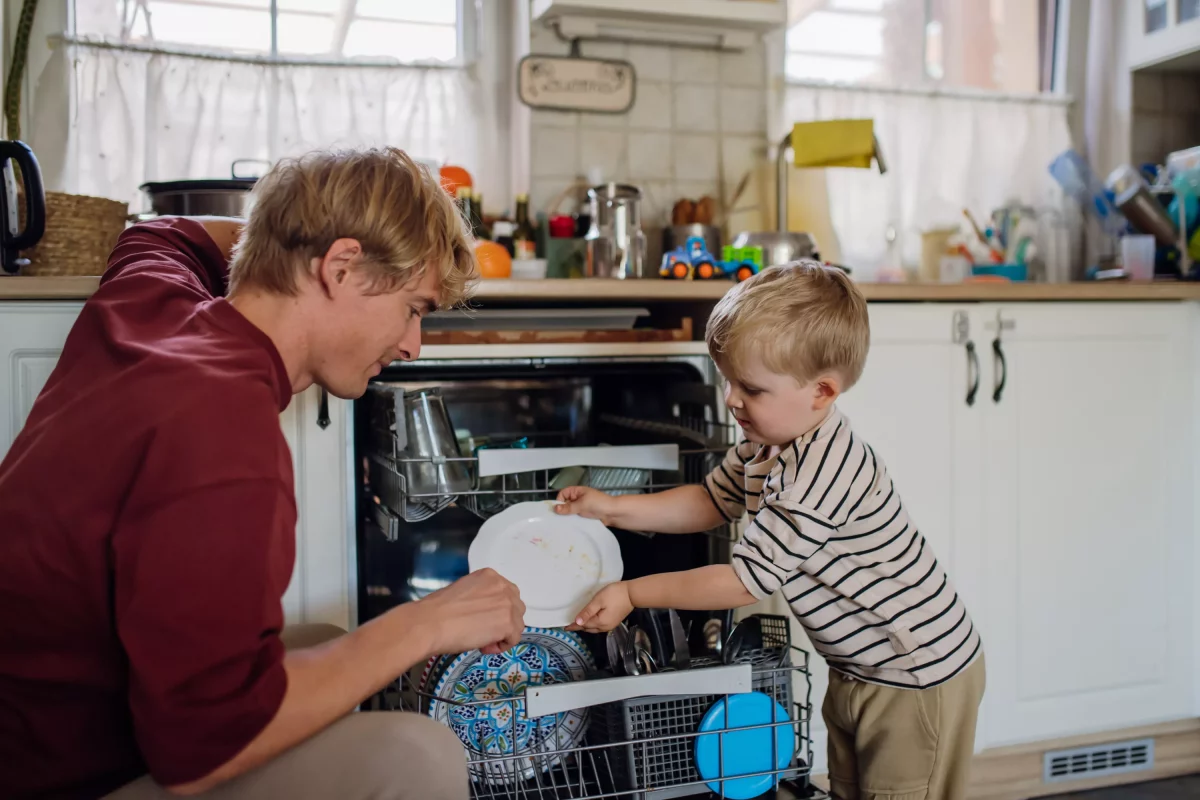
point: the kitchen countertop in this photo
(659, 291)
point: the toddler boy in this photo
(828, 529)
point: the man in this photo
(147, 509)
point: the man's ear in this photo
(828, 388)
(336, 268)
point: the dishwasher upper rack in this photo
(636, 759)
(703, 443)
(489, 496)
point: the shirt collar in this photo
(824, 430)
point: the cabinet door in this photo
(910, 405)
(323, 580)
(31, 340)
(1089, 520)
(1160, 30)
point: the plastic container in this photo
(533, 269)
(1073, 174)
(934, 246)
(1183, 160)
(1187, 192)
(1012, 272)
(1137, 256)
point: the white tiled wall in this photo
(1166, 114)
(697, 125)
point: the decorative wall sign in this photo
(567, 83)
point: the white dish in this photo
(557, 562)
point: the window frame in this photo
(467, 44)
(1052, 45)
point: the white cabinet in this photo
(322, 588)
(323, 585)
(1088, 520)
(31, 340)
(1062, 511)
(1159, 31)
(911, 406)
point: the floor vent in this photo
(1102, 759)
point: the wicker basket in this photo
(80, 234)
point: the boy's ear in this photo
(828, 387)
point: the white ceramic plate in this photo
(557, 562)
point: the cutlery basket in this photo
(658, 734)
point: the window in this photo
(406, 31)
(993, 45)
(158, 90)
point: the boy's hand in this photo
(586, 502)
(610, 605)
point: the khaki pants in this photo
(902, 744)
(383, 755)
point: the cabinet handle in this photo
(972, 373)
(323, 410)
(1002, 363)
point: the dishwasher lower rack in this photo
(639, 742)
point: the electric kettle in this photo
(12, 239)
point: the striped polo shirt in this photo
(828, 529)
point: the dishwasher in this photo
(675, 704)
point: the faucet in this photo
(781, 179)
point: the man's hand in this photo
(480, 611)
(587, 502)
(610, 605)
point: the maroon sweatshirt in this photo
(147, 524)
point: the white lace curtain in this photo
(944, 152)
(135, 116)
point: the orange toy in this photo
(453, 177)
(494, 260)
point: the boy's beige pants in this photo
(902, 744)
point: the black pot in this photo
(219, 197)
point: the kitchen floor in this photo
(1184, 788)
(1169, 789)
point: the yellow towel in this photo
(834, 143)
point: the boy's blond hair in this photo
(804, 319)
(399, 213)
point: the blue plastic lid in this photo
(734, 753)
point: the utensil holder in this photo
(660, 732)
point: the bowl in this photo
(530, 269)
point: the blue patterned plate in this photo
(487, 705)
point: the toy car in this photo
(741, 262)
(692, 261)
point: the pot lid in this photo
(200, 185)
(615, 191)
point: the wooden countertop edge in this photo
(659, 291)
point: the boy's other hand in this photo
(586, 502)
(610, 605)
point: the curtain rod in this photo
(263, 61)
(949, 94)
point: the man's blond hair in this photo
(399, 213)
(803, 319)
